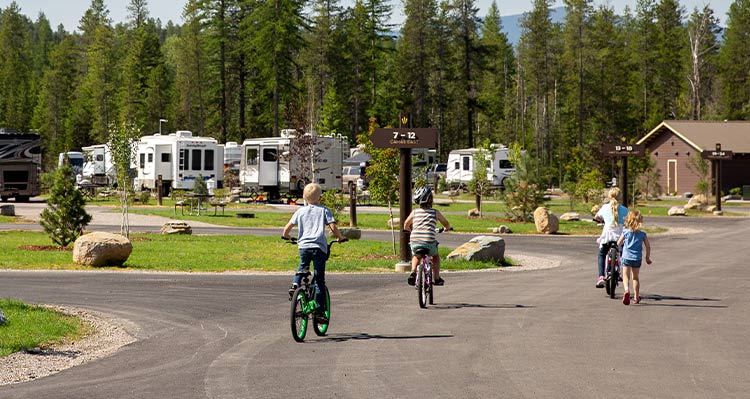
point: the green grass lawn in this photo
(34, 326)
(212, 254)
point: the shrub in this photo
(200, 186)
(65, 216)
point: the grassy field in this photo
(33, 326)
(211, 254)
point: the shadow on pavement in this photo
(448, 306)
(659, 298)
(366, 336)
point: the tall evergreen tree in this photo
(15, 69)
(576, 57)
(417, 56)
(735, 62)
(468, 54)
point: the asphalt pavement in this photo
(491, 334)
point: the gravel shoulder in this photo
(109, 335)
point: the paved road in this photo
(533, 334)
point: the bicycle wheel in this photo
(298, 317)
(430, 288)
(612, 272)
(421, 287)
(319, 328)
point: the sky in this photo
(69, 12)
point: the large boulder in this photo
(481, 248)
(176, 228)
(697, 202)
(101, 249)
(394, 222)
(546, 222)
(570, 216)
(676, 211)
(351, 233)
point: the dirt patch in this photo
(45, 248)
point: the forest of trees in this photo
(238, 69)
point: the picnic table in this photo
(197, 203)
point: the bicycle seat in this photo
(421, 251)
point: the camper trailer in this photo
(232, 155)
(98, 167)
(20, 165)
(178, 158)
(461, 164)
(74, 159)
(283, 165)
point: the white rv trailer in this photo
(462, 163)
(283, 165)
(232, 155)
(178, 158)
(98, 167)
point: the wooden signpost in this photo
(623, 150)
(404, 139)
(716, 156)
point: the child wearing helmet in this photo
(422, 223)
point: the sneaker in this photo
(292, 289)
(637, 300)
(412, 278)
(439, 281)
(600, 282)
(626, 298)
(321, 318)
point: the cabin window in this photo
(467, 163)
(141, 160)
(209, 165)
(165, 157)
(252, 156)
(184, 159)
(270, 155)
(197, 161)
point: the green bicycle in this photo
(303, 306)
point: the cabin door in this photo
(671, 176)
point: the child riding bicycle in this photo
(313, 247)
(422, 222)
(612, 215)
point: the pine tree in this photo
(735, 62)
(15, 69)
(65, 216)
(703, 30)
(417, 53)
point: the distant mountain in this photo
(512, 23)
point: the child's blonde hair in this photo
(613, 193)
(312, 193)
(634, 220)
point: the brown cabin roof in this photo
(703, 135)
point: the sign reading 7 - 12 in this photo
(404, 138)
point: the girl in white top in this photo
(612, 214)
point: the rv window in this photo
(184, 159)
(270, 155)
(457, 166)
(196, 164)
(165, 156)
(252, 156)
(505, 164)
(209, 165)
(467, 163)
(142, 159)
(99, 157)
(150, 158)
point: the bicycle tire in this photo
(421, 285)
(430, 289)
(298, 317)
(612, 272)
(319, 328)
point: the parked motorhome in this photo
(462, 163)
(20, 165)
(283, 165)
(178, 158)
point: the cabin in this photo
(674, 142)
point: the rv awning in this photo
(357, 159)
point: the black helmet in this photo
(422, 195)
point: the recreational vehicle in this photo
(178, 158)
(20, 165)
(74, 159)
(98, 167)
(284, 165)
(232, 155)
(462, 163)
